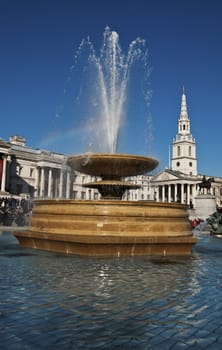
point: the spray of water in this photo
(95, 96)
(109, 89)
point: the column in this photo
(158, 194)
(60, 183)
(163, 193)
(8, 165)
(3, 173)
(188, 193)
(68, 185)
(50, 183)
(182, 193)
(37, 182)
(42, 182)
(169, 193)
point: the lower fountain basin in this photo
(109, 228)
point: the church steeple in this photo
(183, 122)
(184, 145)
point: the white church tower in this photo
(184, 145)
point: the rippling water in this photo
(54, 301)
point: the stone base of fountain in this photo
(109, 228)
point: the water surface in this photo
(54, 301)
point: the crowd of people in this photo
(15, 211)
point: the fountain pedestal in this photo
(205, 205)
(110, 227)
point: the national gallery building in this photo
(34, 173)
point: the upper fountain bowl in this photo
(109, 165)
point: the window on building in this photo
(178, 151)
(31, 172)
(190, 151)
(19, 170)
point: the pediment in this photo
(165, 176)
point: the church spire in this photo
(184, 145)
(183, 113)
(183, 122)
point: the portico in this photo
(170, 186)
(52, 181)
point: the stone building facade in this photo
(32, 173)
(35, 173)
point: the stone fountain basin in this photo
(112, 166)
(109, 228)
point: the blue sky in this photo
(38, 39)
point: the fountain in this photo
(110, 226)
(112, 168)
